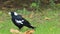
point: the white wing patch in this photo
(18, 21)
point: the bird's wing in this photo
(18, 17)
(19, 21)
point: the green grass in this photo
(51, 26)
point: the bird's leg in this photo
(20, 26)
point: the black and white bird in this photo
(19, 21)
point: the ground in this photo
(46, 22)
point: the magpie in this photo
(19, 21)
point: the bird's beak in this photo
(9, 13)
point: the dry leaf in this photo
(31, 15)
(29, 32)
(14, 31)
(46, 18)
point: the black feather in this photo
(20, 18)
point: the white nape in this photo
(15, 13)
(22, 20)
(18, 21)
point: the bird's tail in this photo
(32, 27)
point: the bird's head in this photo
(13, 13)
